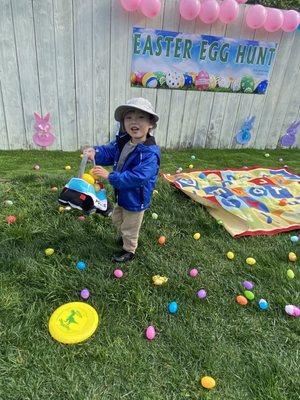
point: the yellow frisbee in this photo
(73, 322)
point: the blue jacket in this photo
(134, 184)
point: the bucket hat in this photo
(138, 103)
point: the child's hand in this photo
(90, 152)
(100, 171)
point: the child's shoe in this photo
(125, 256)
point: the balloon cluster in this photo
(272, 19)
(150, 8)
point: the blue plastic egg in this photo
(81, 265)
(294, 239)
(263, 304)
(173, 307)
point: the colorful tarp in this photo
(249, 201)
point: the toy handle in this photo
(82, 166)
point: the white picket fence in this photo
(72, 58)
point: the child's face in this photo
(137, 124)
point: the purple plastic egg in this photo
(201, 294)
(248, 285)
(85, 294)
(150, 332)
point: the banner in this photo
(172, 60)
(251, 201)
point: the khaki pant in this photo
(128, 225)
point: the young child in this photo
(135, 158)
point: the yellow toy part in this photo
(73, 322)
(88, 178)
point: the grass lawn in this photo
(251, 354)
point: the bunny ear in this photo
(37, 117)
(46, 117)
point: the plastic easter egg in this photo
(161, 240)
(290, 274)
(150, 332)
(212, 82)
(188, 80)
(247, 84)
(230, 255)
(49, 252)
(267, 155)
(161, 77)
(88, 178)
(201, 293)
(118, 273)
(81, 218)
(261, 87)
(202, 81)
(220, 222)
(197, 236)
(54, 189)
(202, 175)
(68, 208)
(250, 261)
(173, 307)
(193, 157)
(263, 304)
(193, 272)
(174, 80)
(8, 203)
(241, 300)
(149, 80)
(67, 167)
(36, 167)
(208, 382)
(155, 191)
(191, 166)
(292, 310)
(294, 239)
(283, 202)
(11, 219)
(85, 294)
(292, 257)
(248, 285)
(249, 295)
(81, 265)
(236, 85)
(154, 216)
(179, 170)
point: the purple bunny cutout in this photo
(43, 137)
(289, 138)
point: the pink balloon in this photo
(130, 5)
(150, 8)
(256, 16)
(274, 20)
(290, 21)
(228, 11)
(189, 9)
(209, 11)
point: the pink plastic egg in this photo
(201, 294)
(81, 218)
(85, 294)
(150, 332)
(118, 273)
(193, 272)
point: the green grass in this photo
(251, 354)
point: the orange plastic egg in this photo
(241, 300)
(161, 240)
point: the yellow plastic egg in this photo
(292, 256)
(61, 209)
(88, 178)
(208, 382)
(49, 252)
(191, 166)
(250, 261)
(230, 255)
(67, 167)
(197, 236)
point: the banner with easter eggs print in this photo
(173, 60)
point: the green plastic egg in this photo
(249, 295)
